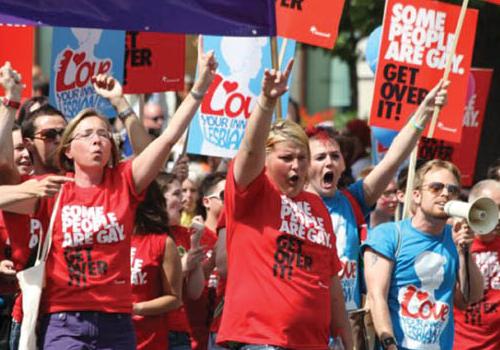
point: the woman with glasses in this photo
(282, 287)
(87, 300)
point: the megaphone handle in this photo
(466, 288)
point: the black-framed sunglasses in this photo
(437, 188)
(157, 118)
(49, 134)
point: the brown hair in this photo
(151, 216)
(432, 165)
(63, 162)
(286, 130)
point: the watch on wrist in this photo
(11, 103)
(386, 342)
(125, 114)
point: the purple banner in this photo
(215, 17)
(6, 19)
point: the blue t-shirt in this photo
(347, 235)
(422, 283)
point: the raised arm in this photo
(10, 80)
(470, 284)
(147, 164)
(378, 179)
(110, 88)
(378, 271)
(172, 285)
(251, 156)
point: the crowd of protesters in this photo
(293, 244)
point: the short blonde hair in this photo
(287, 130)
(432, 165)
(63, 162)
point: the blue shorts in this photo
(87, 330)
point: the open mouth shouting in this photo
(328, 180)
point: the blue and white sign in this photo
(77, 55)
(219, 125)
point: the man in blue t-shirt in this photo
(326, 168)
(415, 269)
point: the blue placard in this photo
(77, 55)
(218, 127)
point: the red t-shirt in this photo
(478, 327)
(177, 319)
(88, 268)
(147, 255)
(22, 232)
(200, 311)
(281, 258)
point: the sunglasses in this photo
(50, 134)
(437, 188)
(157, 118)
(220, 195)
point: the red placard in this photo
(17, 42)
(314, 22)
(464, 154)
(412, 59)
(154, 62)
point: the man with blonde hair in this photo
(415, 269)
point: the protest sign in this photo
(77, 55)
(307, 21)
(154, 62)
(218, 127)
(464, 153)
(16, 41)
(415, 38)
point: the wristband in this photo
(198, 96)
(11, 103)
(417, 127)
(386, 342)
(123, 115)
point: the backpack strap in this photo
(358, 214)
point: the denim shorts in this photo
(179, 341)
(87, 330)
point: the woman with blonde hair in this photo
(87, 300)
(282, 285)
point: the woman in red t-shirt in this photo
(87, 300)
(191, 254)
(282, 286)
(156, 274)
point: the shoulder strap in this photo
(358, 214)
(47, 243)
(398, 239)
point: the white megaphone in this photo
(481, 215)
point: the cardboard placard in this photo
(17, 43)
(154, 62)
(219, 125)
(415, 39)
(77, 55)
(311, 22)
(464, 154)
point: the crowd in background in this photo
(154, 248)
